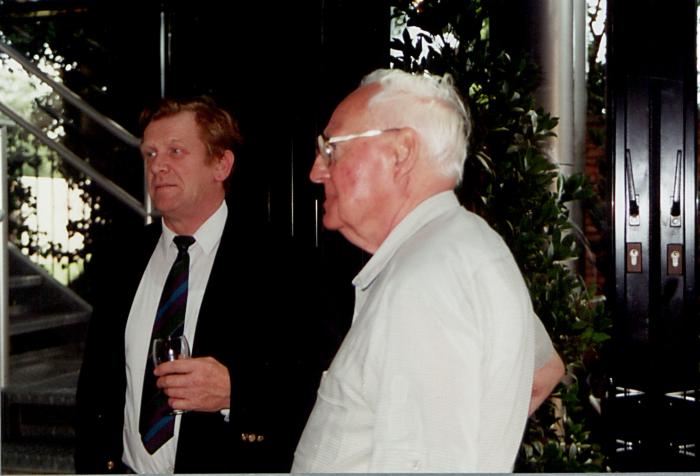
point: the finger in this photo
(178, 393)
(179, 404)
(174, 367)
(163, 369)
(193, 398)
(174, 381)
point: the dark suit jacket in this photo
(251, 320)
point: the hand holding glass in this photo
(169, 349)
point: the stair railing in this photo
(145, 209)
(80, 164)
(118, 131)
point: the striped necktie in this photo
(156, 423)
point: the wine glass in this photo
(170, 348)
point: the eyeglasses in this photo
(325, 145)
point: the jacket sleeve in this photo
(102, 381)
(113, 274)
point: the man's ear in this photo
(223, 166)
(406, 150)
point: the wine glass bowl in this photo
(168, 349)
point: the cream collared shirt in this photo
(436, 371)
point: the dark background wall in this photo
(280, 67)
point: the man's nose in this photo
(157, 163)
(319, 171)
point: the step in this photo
(50, 374)
(25, 281)
(41, 423)
(39, 401)
(38, 423)
(58, 389)
(33, 322)
(37, 458)
(19, 309)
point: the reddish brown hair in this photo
(217, 128)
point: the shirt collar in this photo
(425, 212)
(207, 235)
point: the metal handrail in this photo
(144, 210)
(80, 164)
(67, 94)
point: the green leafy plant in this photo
(510, 180)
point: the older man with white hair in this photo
(436, 372)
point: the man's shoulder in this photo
(448, 253)
(457, 234)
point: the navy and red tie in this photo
(156, 421)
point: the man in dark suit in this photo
(239, 308)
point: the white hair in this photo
(433, 107)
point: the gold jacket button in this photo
(110, 465)
(252, 437)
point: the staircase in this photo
(47, 327)
(47, 321)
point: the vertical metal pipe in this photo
(580, 55)
(164, 53)
(552, 32)
(4, 266)
(564, 76)
(552, 47)
(163, 63)
(147, 202)
(559, 43)
(579, 126)
(163, 48)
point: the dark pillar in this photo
(651, 408)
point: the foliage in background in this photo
(598, 211)
(511, 182)
(27, 156)
(67, 53)
(596, 69)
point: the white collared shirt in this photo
(436, 371)
(140, 323)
